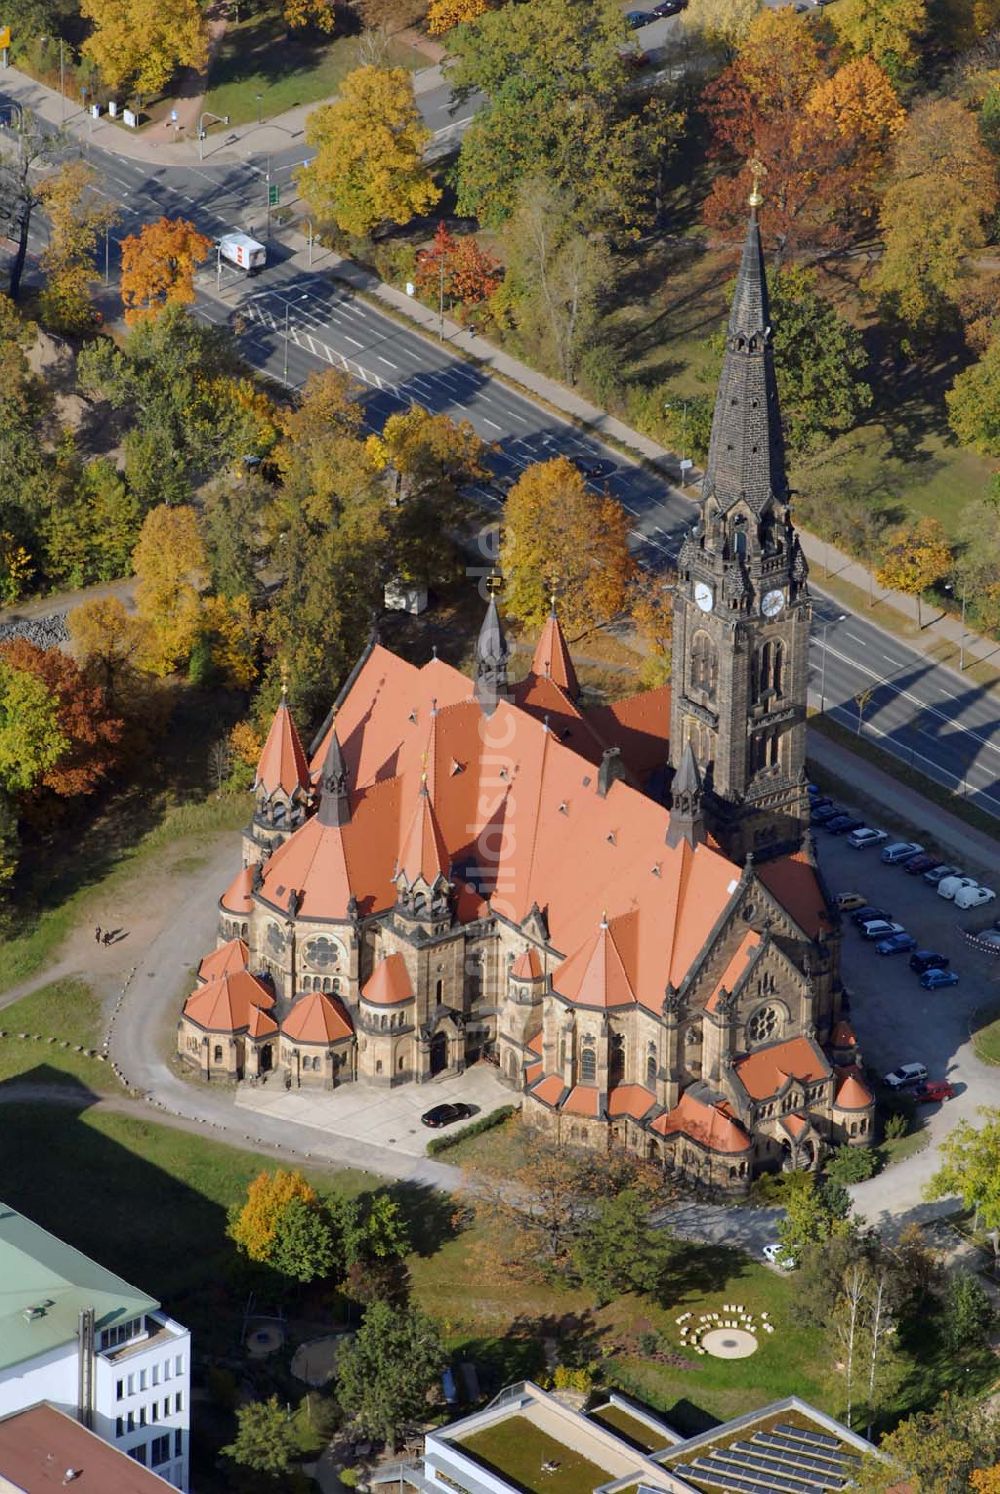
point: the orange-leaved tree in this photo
(318, 13)
(442, 15)
(557, 533)
(158, 265)
(916, 556)
(254, 1226)
(82, 716)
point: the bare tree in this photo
(880, 1327)
(20, 183)
(849, 1320)
(220, 761)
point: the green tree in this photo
(819, 359)
(974, 402)
(968, 1312)
(31, 742)
(303, 1247)
(387, 1373)
(970, 1167)
(91, 524)
(620, 1251)
(372, 1228)
(814, 1213)
(722, 23)
(231, 511)
(888, 31)
(368, 168)
(934, 1452)
(265, 1438)
(851, 1164)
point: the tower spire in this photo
(334, 804)
(686, 821)
(746, 453)
(491, 654)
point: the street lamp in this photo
(62, 72)
(260, 107)
(825, 625)
(284, 366)
(950, 586)
(202, 131)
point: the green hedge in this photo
(484, 1123)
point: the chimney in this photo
(611, 768)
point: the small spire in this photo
(491, 653)
(604, 919)
(334, 804)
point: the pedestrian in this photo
(107, 936)
(97, 933)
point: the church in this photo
(618, 906)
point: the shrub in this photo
(477, 1127)
(566, 1378)
(896, 1125)
(968, 1312)
(851, 1164)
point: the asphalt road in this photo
(925, 713)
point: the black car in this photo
(446, 1115)
(637, 18)
(928, 959)
(669, 8)
(843, 824)
(917, 865)
(824, 812)
(867, 913)
(819, 801)
(599, 469)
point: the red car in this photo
(933, 1090)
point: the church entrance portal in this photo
(439, 1053)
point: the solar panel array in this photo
(783, 1460)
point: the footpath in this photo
(826, 559)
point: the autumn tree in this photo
(226, 643)
(139, 44)
(887, 31)
(107, 642)
(974, 402)
(368, 167)
(90, 731)
(384, 1377)
(318, 13)
(556, 532)
(935, 1451)
(860, 102)
(722, 23)
(77, 219)
(651, 604)
(985, 1480)
(169, 563)
(442, 15)
(456, 269)
(158, 266)
(941, 192)
(254, 1225)
(31, 739)
(917, 556)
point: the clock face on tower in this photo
(703, 596)
(772, 603)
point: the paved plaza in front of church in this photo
(384, 1117)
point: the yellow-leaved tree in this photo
(916, 556)
(558, 534)
(369, 168)
(887, 31)
(442, 15)
(862, 105)
(318, 13)
(254, 1225)
(138, 45)
(228, 625)
(76, 221)
(170, 568)
(722, 23)
(158, 265)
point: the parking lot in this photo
(895, 1019)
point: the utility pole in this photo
(441, 302)
(107, 254)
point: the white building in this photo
(77, 1336)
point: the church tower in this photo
(741, 606)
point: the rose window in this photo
(763, 1024)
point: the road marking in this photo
(387, 361)
(488, 421)
(353, 341)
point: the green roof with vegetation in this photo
(532, 1460)
(46, 1285)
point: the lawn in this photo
(517, 1449)
(986, 1039)
(66, 1015)
(616, 1419)
(259, 56)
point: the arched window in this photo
(704, 664)
(588, 1063)
(218, 1053)
(439, 991)
(770, 669)
(616, 1059)
(651, 1065)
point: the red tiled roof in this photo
(317, 1018)
(730, 977)
(237, 896)
(552, 658)
(226, 1003)
(630, 1099)
(422, 852)
(527, 966)
(536, 1043)
(549, 703)
(595, 974)
(640, 726)
(232, 955)
(710, 1125)
(794, 1125)
(533, 1072)
(282, 762)
(853, 1093)
(38, 1446)
(259, 1024)
(389, 983)
(581, 1100)
(549, 1089)
(766, 1071)
(793, 881)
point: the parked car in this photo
(867, 913)
(881, 928)
(973, 897)
(446, 1115)
(932, 1090)
(906, 1076)
(928, 959)
(637, 18)
(776, 1255)
(989, 939)
(819, 801)
(824, 812)
(917, 865)
(896, 944)
(859, 839)
(937, 980)
(600, 467)
(937, 874)
(842, 824)
(669, 8)
(901, 850)
(950, 885)
(848, 901)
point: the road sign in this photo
(4, 36)
(273, 195)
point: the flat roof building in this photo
(43, 1449)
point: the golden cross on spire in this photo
(284, 678)
(758, 171)
(494, 582)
